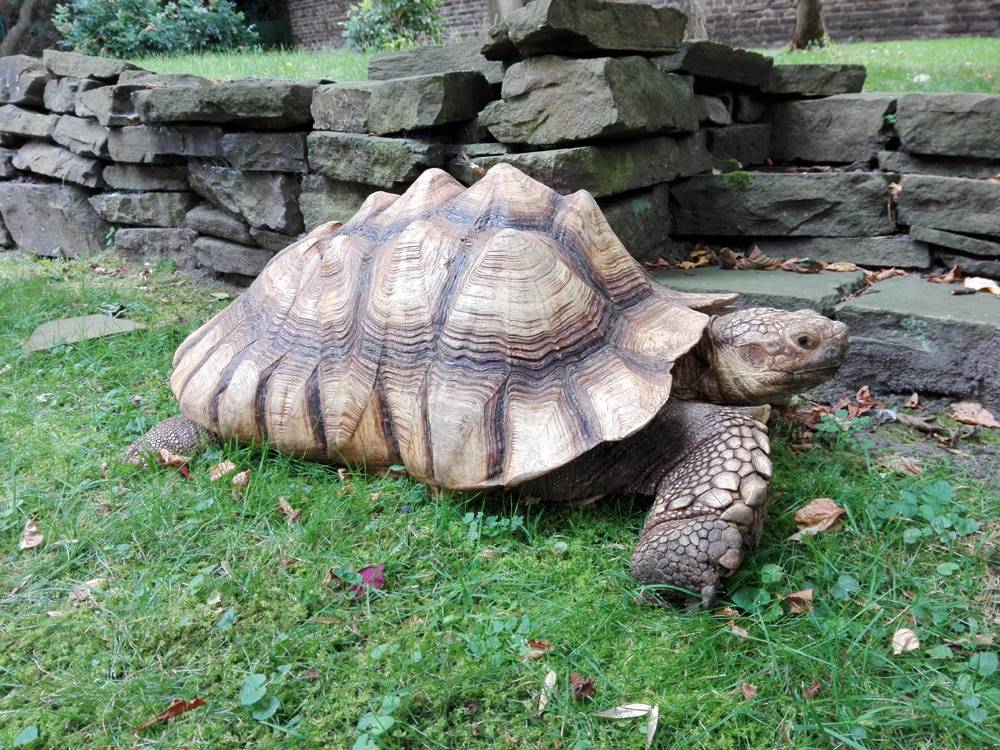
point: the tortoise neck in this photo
(694, 373)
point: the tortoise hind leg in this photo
(176, 434)
(710, 503)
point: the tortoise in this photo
(497, 337)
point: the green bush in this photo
(130, 28)
(373, 25)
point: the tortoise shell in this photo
(480, 336)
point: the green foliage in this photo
(373, 25)
(125, 28)
(738, 180)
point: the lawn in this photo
(339, 65)
(151, 587)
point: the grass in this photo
(339, 65)
(204, 595)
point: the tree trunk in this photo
(696, 26)
(19, 29)
(809, 29)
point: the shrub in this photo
(130, 28)
(393, 24)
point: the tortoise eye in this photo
(805, 341)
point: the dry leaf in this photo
(537, 649)
(548, 687)
(166, 458)
(175, 709)
(901, 465)
(285, 508)
(841, 267)
(626, 711)
(952, 276)
(738, 631)
(802, 265)
(800, 602)
(757, 261)
(874, 277)
(913, 402)
(219, 470)
(582, 687)
(749, 690)
(929, 425)
(728, 612)
(904, 640)
(813, 689)
(136, 399)
(978, 284)
(822, 514)
(654, 719)
(32, 535)
(971, 412)
(240, 482)
(343, 474)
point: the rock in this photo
(761, 204)
(641, 220)
(888, 251)
(266, 152)
(210, 220)
(60, 93)
(25, 123)
(229, 257)
(711, 109)
(718, 63)
(6, 241)
(954, 241)
(152, 245)
(604, 170)
(554, 100)
(51, 219)
(111, 105)
(901, 162)
(748, 106)
(585, 26)
(371, 160)
(971, 265)
(273, 241)
(264, 199)
(951, 203)
(844, 128)
(70, 330)
(74, 64)
(58, 162)
(909, 335)
(7, 168)
(144, 209)
(950, 124)
(822, 79)
(139, 77)
(401, 104)
(432, 59)
(746, 145)
(22, 80)
(132, 177)
(81, 136)
(323, 199)
(782, 289)
(146, 144)
(254, 103)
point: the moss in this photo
(739, 180)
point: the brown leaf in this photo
(977, 284)
(219, 470)
(239, 483)
(749, 690)
(582, 687)
(175, 709)
(32, 535)
(343, 474)
(738, 631)
(285, 508)
(841, 267)
(729, 258)
(537, 649)
(802, 265)
(901, 465)
(166, 458)
(952, 276)
(972, 412)
(757, 261)
(904, 640)
(913, 402)
(929, 425)
(822, 514)
(548, 687)
(874, 277)
(800, 602)
(728, 612)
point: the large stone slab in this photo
(401, 104)
(139, 178)
(230, 257)
(761, 204)
(148, 78)
(152, 245)
(951, 203)
(909, 335)
(603, 170)
(81, 136)
(254, 103)
(60, 93)
(554, 100)
(641, 220)
(51, 219)
(71, 330)
(434, 59)
(815, 79)
(718, 63)
(144, 209)
(371, 160)
(207, 219)
(25, 123)
(838, 129)
(587, 26)
(61, 163)
(266, 152)
(971, 265)
(746, 145)
(76, 65)
(323, 199)
(955, 241)
(273, 241)
(711, 110)
(109, 105)
(149, 144)
(264, 199)
(22, 80)
(901, 162)
(6, 241)
(950, 124)
(894, 250)
(782, 289)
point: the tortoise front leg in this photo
(710, 503)
(176, 434)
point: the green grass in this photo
(201, 591)
(962, 64)
(340, 65)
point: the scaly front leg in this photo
(176, 434)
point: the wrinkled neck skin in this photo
(711, 373)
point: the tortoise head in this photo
(764, 355)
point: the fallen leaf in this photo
(6, 368)
(901, 465)
(913, 402)
(841, 267)
(219, 470)
(971, 412)
(548, 687)
(929, 425)
(32, 535)
(738, 631)
(166, 458)
(874, 277)
(802, 265)
(654, 719)
(175, 709)
(757, 261)
(372, 577)
(822, 514)
(904, 640)
(184, 471)
(285, 508)
(978, 284)
(813, 689)
(239, 483)
(136, 399)
(343, 474)
(800, 602)
(749, 690)
(582, 687)
(537, 649)
(952, 276)
(729, 613)
(864, 402)
(626, 711)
